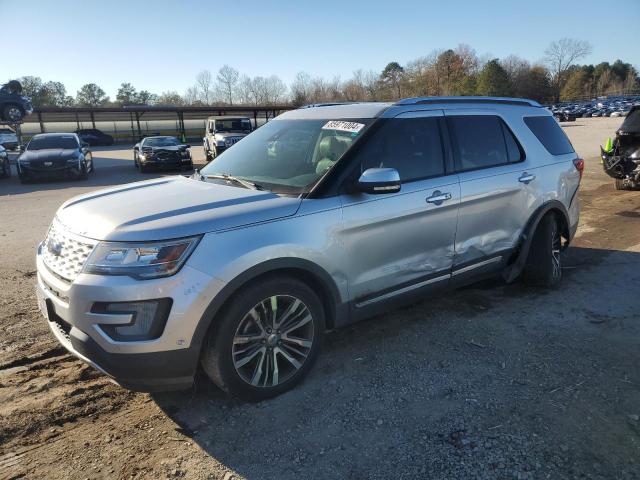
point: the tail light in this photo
(579, 164)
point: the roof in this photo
(226, 117)
(337, 110)
(61, 134)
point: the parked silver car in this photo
(321, 217)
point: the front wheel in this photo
(621, 184)
(12, 113)
(6, 168)
(543, 267)
(266, 340)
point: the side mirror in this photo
(136, 148)
(21, 148)
(188, 145)
(379, 180)
(85, 145)
(211, 131)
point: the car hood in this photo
(49, 154)
(170, 207)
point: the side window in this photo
(547, 130)
(482, 141)
(514, 152)
(478, 141)
(410, 145)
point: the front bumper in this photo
(30, 172)
(171, 164)
(166, 363)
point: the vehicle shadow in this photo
(394, 384)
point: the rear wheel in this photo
(266, 340)
(620, 184)
(543, 267)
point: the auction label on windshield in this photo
(343, 126)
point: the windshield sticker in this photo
(343, 126)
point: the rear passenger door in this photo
(497, 190)
(400, 242)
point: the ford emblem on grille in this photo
(54, 247)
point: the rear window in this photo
(547, 130)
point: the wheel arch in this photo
(551, 207)
(308, 272)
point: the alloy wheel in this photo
(555, 251)
(273, 341)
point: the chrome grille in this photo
(64, 253)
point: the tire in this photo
(544, 267)
(6, 169)
(240, 374)
(12, 113)
(84, 174)
(620, 184)
(143, 168)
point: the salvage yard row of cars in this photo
(609, 107)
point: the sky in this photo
(161, 45)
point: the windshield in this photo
(233, 125)
(161, 142)
(43, 143)
(288, 156)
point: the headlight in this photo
(142, 156)
(185, 153)
(139, 259)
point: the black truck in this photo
(13, 105)
(621, 161)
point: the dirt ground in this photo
(492, 381)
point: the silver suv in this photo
(321, 217)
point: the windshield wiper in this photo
(231, 178)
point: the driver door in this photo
(399, 243)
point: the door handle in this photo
(526, 178)
(438, 197)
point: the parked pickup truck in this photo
(223, 132)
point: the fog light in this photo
(148, 319)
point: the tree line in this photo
(459, 71)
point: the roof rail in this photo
(505, 100)
(327, 104)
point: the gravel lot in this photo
(492, 381)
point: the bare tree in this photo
(191, 95)
(561, 55)
(301, 89)
(204, 83)
(227, 80)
